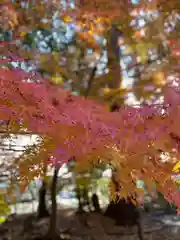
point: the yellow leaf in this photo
(158, 78)
(124, 193)
(133, 201)
(67, 19)
(57, 79)
(23, 34)
(177, 167)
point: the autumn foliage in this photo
(132, 138)
(141, 142)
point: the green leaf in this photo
(2, 220)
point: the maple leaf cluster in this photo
(130, 139)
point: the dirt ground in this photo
(90, 226)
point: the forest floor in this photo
(91, 226)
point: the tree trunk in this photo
(95, 203)
(42, 208)
(140, 225)
(114, 77)
(114, 59)
(53, 217)
(79, 197)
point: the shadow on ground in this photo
(88, 226)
